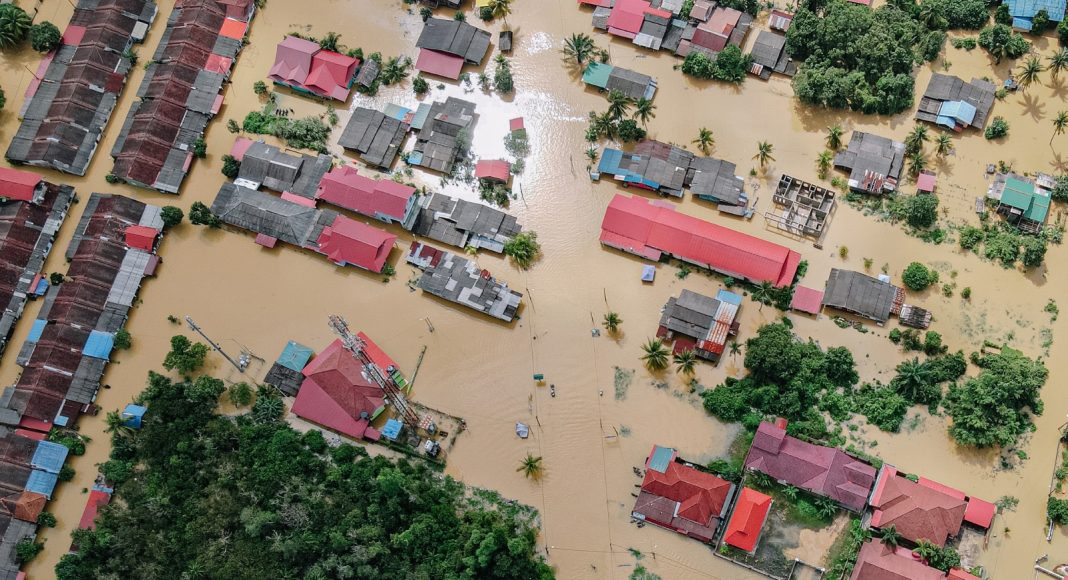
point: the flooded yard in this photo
(589, 435)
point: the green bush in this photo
(895, 336)
(44, 36)
(970, 237)
(921, 211)
(1001, 42)
(171, 216)
(882, 407)
(918, 277)
(231, 166)
(122, 339)
(998, 128)
(729, 66)
(1057, 510)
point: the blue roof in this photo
(42, 482)
(729, 297)
(99, 345)
(610, 159)
(415, 157)
(648, 273)
(960, 111)
(49, 456)
(1028, 8)
(36, 330)
(661, 458)
(42, 287)
(295, 356)
(392, 429)
(132, 415)
(1024, 24)
(395, 111)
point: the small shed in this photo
(648, 273)
(133, 415)
(516, 124)
(493, 170)
(806, 300)
(392, 429)
(141, 237)
(504, 41)
(925, 182)
(295, 356)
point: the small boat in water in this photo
(522, 429)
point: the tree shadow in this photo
(1033, 106)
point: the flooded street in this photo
(245, 295)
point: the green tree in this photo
(116, 423)
(995, 408)
(913, 381)
(834, 137)
(762, 293)
(618, 105)
(943, 145)
(501, 9)
(420, 86)
(267, 409)
(656, 355)
(523, 249)
(3, 99)
(823, 163)
(1057, 510)
(240, 394)
(14, 25)
(917, 163)
(530, 466)
(1059, 124)
(171, 216)
(764, 153)
(579, 47)
(1001, 42)
(921, 211)
(644, 109)
(395, 70)
(685, 362)
(44, 36)
(330, 41)
(200, 148)
(26, 549)
(915, 140)
(998, 128)
(123, 341)
(917, 277)
(231, 166)
(260, 88)
(1040, 22)
(185, 356)
(425, 13)
(1029, 71)
(1058, 62)
(629, 131)
(705, 140)
(200, 215)
(735, 348)
(612, 322)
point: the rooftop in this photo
(377, 137)
(862, 295)
(460, 280)
(747, 521)
(337, 394)
(456, 38)
(302, 65)
(878, 561)
(874, 162)
(917, 511)
(677, 496)
(977, 96)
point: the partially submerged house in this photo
(682, 497)
(459, 280)
(306, 68)
(446, 45)
(725, 26)
(769, 56)
(382, 199)
(654, 231)
(1022, 200)
(924, 509)
(264, 165)
(444, 134)
(77, 86)
(862, 295)
(286, 372)
(824, 471)
(700, 323)
(375, 136)
(463, 224)
(717, 181)
(1023, 11)
(873, 162)
(339, 394)
(747, 520)
(954, 104)
(780, 20)
(31, 212)
(877, 560)
(802, 208)
(493, 171)
(606, 77)
(180, 94)
(653, 165)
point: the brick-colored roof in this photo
(917, 512)
(877, 561)
(335, 393)
(747, 521)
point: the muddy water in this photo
(245, 295)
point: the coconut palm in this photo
(705, 140)
(579, 47)
(612, 322)
(911, 380)
(644, 109)
(1058, 62)
(592, 154)
(834, 137)
(943, 145)
(1029, 71)
(116, 423)
(685, 362)
(501, 9)
(890, 536)
(604, 125)
(823, 163)
(14, 25)
(762, 293)
(917, 163)
(618, 105)
(530, 466)
(656, 355)
(1059, 124)
(915, 140)
(735, 348)
(764, 151)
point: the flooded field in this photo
(243, 294)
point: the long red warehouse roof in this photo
(635, 225)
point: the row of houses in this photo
(708, 27)
(76, 86)
(29, 471)
(181, 92)
(31, 212)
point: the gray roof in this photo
(456, 38)
(860, 294)
(437, 145)
(872, 160)
(665, 164)
(600, 17)
(633, 84)
(375, 136)
(979, 93)
(264, 213)
(460, 280)
(691, 314)
(275, 169)
(674, 35)
(769, 52)
(713, 179)
(368, 73)
(462, 223)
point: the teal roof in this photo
(1039, 206)
(1017, 193)
(661, 458)
(597, 74)
(295, 356)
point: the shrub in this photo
(998, 128)
(27, 549)
(171, 216)
(123, 341)
(231, 167)
(420, 86)
(200, 215)
(921, 211)
(523, 248)
(966, 293)
(882, 406)
(200, 148)
(895, 336)
(629, 131)
(918, 277)
(1057, 510)
(44, 36)
(970, 236)
(260, 88)
(46, 519)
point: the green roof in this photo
(1024, 196)
(1039, 206)
(596, 74)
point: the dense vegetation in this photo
(730, 65)
(203, 495)
(995, 408)
(1004, 243)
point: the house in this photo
(69, 102)
(807, 300)
(715, 180)
(862, 295)
(724, 26)
(382, 199)
(780, 20)
(700, 323)
(445, 134)
(306, 68)
(446, 45)
(378, 138)
(1022, 200)
(915, 316)
(338, 393)
(285, 373)
(926, 181)
(609, 78)
(1024, 11)
(879, 561)
(918, 511)
(348, 242)
(655, 231)
(99, 496)
(954, 104)
(180, 94)
(681, 497)
(873, 162)
(459, 280)
(463, 224)
(824, 471)
(493, 170)
(702, 10)
(747, 520)
(268, 166)
(31, 212)
(628, 19)
(769, 55)
(653, 165)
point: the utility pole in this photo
(214, 345)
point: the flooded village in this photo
(369, 283)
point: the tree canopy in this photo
(992, 409)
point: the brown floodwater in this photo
(242, 294)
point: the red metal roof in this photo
(439, 64)
(233, 29)
(493, 169)
(635, 225)
(18, 185)
(958, 574)
(141, 237)
(348, 241)
(331, 74)
(73, 35)
(750, 512)
(375, 353)
(241, 145)
(298, 199)
(218, 64)
(266, 241)
(700, 495)
(344, 187)
(877, 561)
(806, 300)
(979, 512)
(515, 124)
(916, 511)
(96, 499)
(292, 59)
(926, 181)
(335, 393)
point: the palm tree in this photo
(890, 536)
(116, 423)
(912, 378)
(579, 47)
(1029, 71)
(656, 356)
(685, 362)
(823, 163)
(930, 16)
(915, 140)
(530, 466)
(618, 105)
(592, 154)
(603, 125)
(735, 348)
(834, 137)
(1058, 62)
(1059, 124)
(917, 163)
(764, 151)
(644, 109)
(501, 9)
(612, 322)
(14, 25)
(705, 140)
(943, 145)
(762, 293)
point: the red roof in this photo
(298, 199)
(72, 36)
(750, 512)
(916, 511)
(348, 241)
(218, 64)
(233, 29)
(682, 498)
(439, 64)
(266, 241)
(979, 512)
(292, 59)
(958, 574)
(635, 225)
(344, 187)
(926, 182)
(877, 561)
(515, 124)
(596, 2)
(97, 498)
(806, 300)
(375, 353)
(826, 471)
(627, 17)
(141, 237)
(493, 169)
(18, 185)
(241, 145)
(335, 393)
(331, 74)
